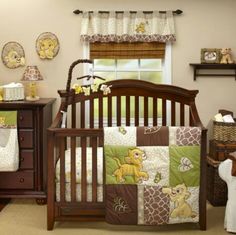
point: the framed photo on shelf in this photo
(210, 55)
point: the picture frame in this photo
(210, 55)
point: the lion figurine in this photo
(13, 59)
(226, 56)
(46, 48)
(132, 167)
(179, 194)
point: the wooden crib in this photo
(169, 105)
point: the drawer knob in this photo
(21, 118)
(22, 159)
(22, 180)
(21, 138)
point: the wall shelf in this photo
(198, 67)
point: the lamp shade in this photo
(32, 74)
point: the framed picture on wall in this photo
(210, 55)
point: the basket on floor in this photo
(216, 188)
(223, 131)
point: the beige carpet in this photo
(25, 217)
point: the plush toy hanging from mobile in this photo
(84, 89)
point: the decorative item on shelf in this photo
(32, 75)
(47, 45)
(226, 57)
(12, 91)
(210, 55)
(13, 55)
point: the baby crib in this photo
(131, 102)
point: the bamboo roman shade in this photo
(150, 50)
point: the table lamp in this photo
(32, 75)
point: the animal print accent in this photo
(156, 206)
(188, 136)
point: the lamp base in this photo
(31, 98)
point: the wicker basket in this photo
(225, 132)
(216, 187)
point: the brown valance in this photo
(140, 50)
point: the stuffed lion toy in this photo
(226, 56)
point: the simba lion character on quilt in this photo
(132, 167)
(179, 194)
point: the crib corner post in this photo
(203, 183)
(50, 181)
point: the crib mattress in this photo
(78, 166)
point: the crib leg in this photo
(50, 224)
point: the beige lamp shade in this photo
(32, 74)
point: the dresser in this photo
(33, 119)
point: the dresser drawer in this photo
(26, 159)
(26, 138)
(25, 118)
(17, 180)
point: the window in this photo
(156, 70)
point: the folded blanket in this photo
(152, 174)
(9, 149)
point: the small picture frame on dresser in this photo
(210, 55)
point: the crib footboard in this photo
(75, 190)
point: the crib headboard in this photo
(131, 102)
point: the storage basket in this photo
(216, 188)
(223, 131)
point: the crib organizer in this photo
(83, 133)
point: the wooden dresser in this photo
(30, 180)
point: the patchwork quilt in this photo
(152, 174)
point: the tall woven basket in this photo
(225, 132)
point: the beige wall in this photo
(204, 23)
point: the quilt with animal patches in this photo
(152, 174)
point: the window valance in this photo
(128, 27)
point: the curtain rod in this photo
(177, 12)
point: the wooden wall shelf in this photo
(198, 67)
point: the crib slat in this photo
(82, 108)
(73, 169)
(182, 113)
(91, 115)
(94, 169)
(145, 111)
(163, 112)
(136, 110)
(109, 110)
(118, 110)
(83, 170)
(73, 113)
(127, 114)
(100, 111)
(154, 108)
(190, 118)
(172, 113)
(62, 169)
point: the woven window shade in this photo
(149, 50)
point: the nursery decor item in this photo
(47, 45)
(32, 75)
(12, 91)
(226, 57)
(210, 55)
(13, 55)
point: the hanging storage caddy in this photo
(9, 149)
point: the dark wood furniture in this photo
(198, 67)
(82, 116)
(30, 180)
